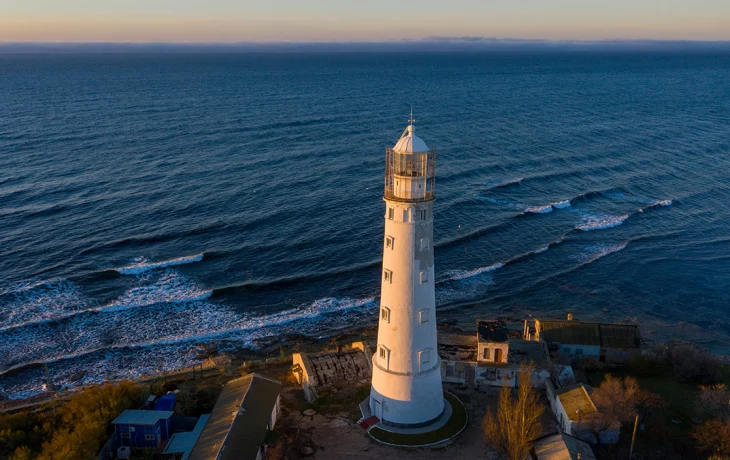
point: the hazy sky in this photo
(362, 20)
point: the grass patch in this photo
(455, 424)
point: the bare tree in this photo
(517, 422)
(714, 401)
(617, 398)
(714, 436)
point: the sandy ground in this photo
(339, 437)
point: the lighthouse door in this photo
(378, 409)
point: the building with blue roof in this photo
(166, 402)
(141, 429)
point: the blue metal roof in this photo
(141, 417)
(166, 402)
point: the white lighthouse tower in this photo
(406, 387)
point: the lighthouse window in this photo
(388, 275)
(384, 355)
(486, 353)
(424, 277)
(422, 214)
(389, 242)
(424, 357)
(385, 314)
(391, 213)
(425, 244)
(423, 316)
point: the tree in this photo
(692, 363)
(517, 422)
(617, 398)
(714, 436)
(714, 401)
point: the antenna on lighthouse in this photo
(411, 120)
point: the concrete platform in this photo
(438, 435)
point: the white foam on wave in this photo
(148, 341)
(142, 265)
(170, 287)
(40, 301)
(458, 275)
(600, 222)
(593, 253)
(561, 204)
(539, 209)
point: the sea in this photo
(155, 206)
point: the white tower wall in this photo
(406, 384)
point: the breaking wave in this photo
(458, 275)
(593, 253)
(40, 301)
(142, 265)
(600, 222)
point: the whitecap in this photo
(141, 265)
(593, 253)
(539, 209)
(458, 275)
(600, 222)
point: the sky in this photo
(362, 20)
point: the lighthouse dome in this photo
(410, 143)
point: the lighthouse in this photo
(406, 387)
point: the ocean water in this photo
(154, 203)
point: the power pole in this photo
(633, 436)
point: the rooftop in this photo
(576, 400)
(457, 346)
(239, 420)
(141, 417)
(492, 331)
(183, 443)
(327, 368)
(562, 447)
(585, 333)
(525, 351)
(410, 143)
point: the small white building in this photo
(316, 371)
(578, 416)
(406, 384)
(561, 446)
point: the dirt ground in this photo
(335, 435)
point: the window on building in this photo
(384, 356)
(425, 243)
(391, 213)
(388, 275)
(149, 437)
(423, 316)
(389, 242)
(450, 370)
(126, 435)
(424, 357)
(422, 214)
(406, 215)
(385, 314)
(424, 276)
(486, 353)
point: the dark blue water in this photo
(153, 203)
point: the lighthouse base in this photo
(451, 423)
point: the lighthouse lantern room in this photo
(406, 385)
